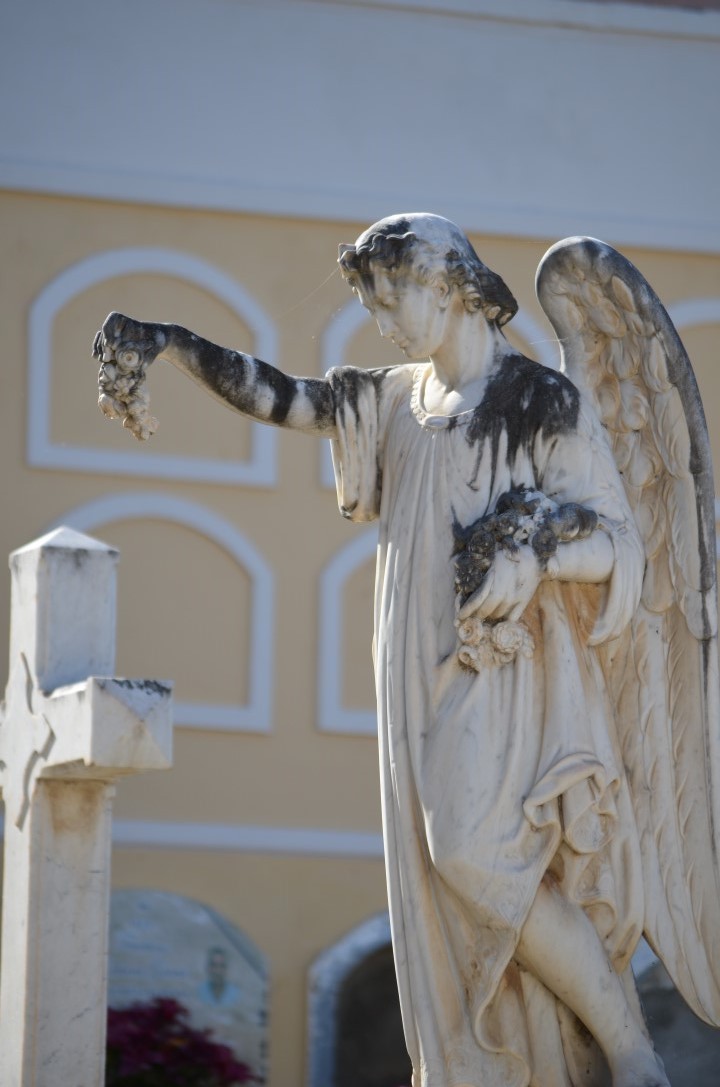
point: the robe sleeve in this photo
(355, 451)
(580, 467)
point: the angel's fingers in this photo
(478, 598)
(496, 608)
(516, 613)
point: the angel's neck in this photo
(461, 367)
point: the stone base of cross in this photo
(66, 733)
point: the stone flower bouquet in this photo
(122, 391)
(520, 517)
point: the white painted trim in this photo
(644, 19)
(259, 471)
(332, 715)
(695, 311)
(255, 716)
(244, 838)
(239, 838)
(325, 980)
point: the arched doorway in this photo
(370, 1045)
(355, 1032)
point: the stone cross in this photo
(66, 733)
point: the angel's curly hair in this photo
(444, 252)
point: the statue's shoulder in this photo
(387, 381)
(543, 398)
(391, 379)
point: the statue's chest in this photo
(439, 465)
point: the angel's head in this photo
(411, 271)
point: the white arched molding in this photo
(255, 715)
(259, 471)
(699, 311)
(352, 317)
(332, 715)
(326, 977)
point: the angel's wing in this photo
(620, 347)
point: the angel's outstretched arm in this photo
(241, 381)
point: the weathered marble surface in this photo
(551, 795)
(64, 739)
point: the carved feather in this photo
(658, 592)
(671, 433)
(620, 348)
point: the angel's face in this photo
(411, 314)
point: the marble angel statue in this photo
(547, 689)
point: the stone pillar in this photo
(68, 731)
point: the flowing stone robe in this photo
(491, 781)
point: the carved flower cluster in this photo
(484, 645)
(123, 393)
(522, 516)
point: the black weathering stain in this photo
(225, 372)
(522, 400)
(345, 383)
(239, 379)
(284, 393)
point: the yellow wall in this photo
(184, 604)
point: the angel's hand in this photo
(121, 337)
(126, 348)
(508, 586)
